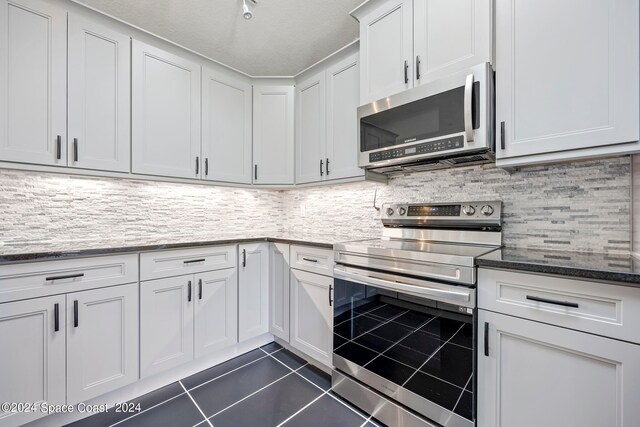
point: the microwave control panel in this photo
(418, 149)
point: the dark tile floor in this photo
(269, 386)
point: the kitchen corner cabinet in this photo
(312, 315)
(566, 77)
(226, 128)
(165, 113)
(253, 290)
(326, 124)
(102, 341)
(273, 135)
(33, 76)
(32, 360)
(534, 374)
(99, 104)
(279, 290)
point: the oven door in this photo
(436, 119)
(418, 351)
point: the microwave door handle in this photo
(468, 100)
(422, 291)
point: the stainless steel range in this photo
(405, 310)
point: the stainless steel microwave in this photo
(444, 123)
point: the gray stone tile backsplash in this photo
(583, 206)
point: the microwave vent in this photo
(468, 159)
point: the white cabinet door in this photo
(450, 36)
(216, 310)
(312, 315)
(165, 113)
(33, 90)
(566, 75)
(279, 290)
(99, 97)
(273, 118)
(310, 129)
(226, 128)
(32, 358)
(253, 290)
(541, 375)
(342, 132)
(386, 50)
(166, 323)
(102, 341)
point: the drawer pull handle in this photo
(550, 301)
(310, 259)
(194, 260)
(75, 313)
(68, 276)
(56, 317)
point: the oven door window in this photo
(432, 117)
(408, 342)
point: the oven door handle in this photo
(468, 100)
(426, 289)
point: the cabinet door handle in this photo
(554, 302)
(200, 289)
(244, 257)
(56, 317)
(68, 276)
(486, 339)
(75, 149)
(191, 261)
(59, 147)
(406, 72)
(189, 291)
(330, 300)
(75, 313)
(197, 165)
(502, 145)
(418, 67)
(321, 167)
(206, 166)
(255, 172)
(310, 259)
(327, 166)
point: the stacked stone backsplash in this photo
(582, 206)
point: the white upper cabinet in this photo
(566, 75)
(226, 128)
(450, 35)
(310, 129)
(386, 50)
(273, 118)
(342, 119)
(99, 97)
(33, 64)
(165, 113)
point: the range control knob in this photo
(468, 210)
(402, 211)
(487, 210)
(389, 211)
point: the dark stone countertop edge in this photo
(61, 255)
(621, 278)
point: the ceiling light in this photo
(246, 13)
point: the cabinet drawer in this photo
(156, 265)
(30, 280)
(598, 308)
(312, 259)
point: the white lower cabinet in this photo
(32, 359)
(102, 341)
(541, 375)
(279, 290)
(185, 317)
(253, 290)
(312, 314)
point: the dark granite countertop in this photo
(622, 269)
(10, 254)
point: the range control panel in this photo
(422, 213)
(418, 149)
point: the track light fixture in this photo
(246, 12)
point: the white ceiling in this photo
(283, 38)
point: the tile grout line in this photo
(302, 409)
(196, 404)
(148, 409)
